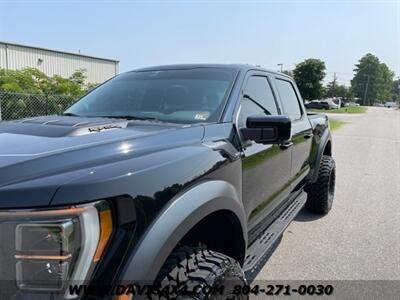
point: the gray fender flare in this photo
(180, 215)
(325, 138)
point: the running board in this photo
(267, 239)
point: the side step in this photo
(259, 248)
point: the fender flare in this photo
(180, 215)
(325, 138)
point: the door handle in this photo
(286, 145)
(308, 135)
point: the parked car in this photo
(333, 103)
(390, 104)
(174, 174)
(351, 104)
(317, 104)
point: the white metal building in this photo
(54, 62)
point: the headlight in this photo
(47, 250)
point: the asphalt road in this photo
(360, 238)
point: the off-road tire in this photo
(321, 193)
(189, 268)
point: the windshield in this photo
(181, 96)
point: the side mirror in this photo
(266, 129)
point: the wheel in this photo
(194, 272)
(321, 193)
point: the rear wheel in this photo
(198, 273)
(321, 193)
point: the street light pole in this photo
(334, 85)
(281, 65)
(366, 89)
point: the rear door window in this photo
(289, 99)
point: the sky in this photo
(266, 33)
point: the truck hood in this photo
(37, 153)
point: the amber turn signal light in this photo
(105, 233)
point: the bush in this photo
(30, 92)
(33, 81)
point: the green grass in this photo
(342, 110)
(336, 124)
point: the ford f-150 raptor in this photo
(183, 174)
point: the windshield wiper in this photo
(126, 117)
(266, 111)
(130, 117)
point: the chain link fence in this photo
(20, 105)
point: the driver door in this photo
(265, 168)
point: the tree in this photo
(308, 76)
(350, 93)
(396, 90)
(33, 81)
(28, 80)
(34, 93)
(333, 89)
(336, 90)
(373, 80)
(73, 86)
(288, 72)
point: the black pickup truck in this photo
(183, 175)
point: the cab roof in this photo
(237, 67)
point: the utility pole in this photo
(366, 86)
(281, 67)
(334, 85)
(398, 82)
(366, 89)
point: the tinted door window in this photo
(289, 99)
(259, 90)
